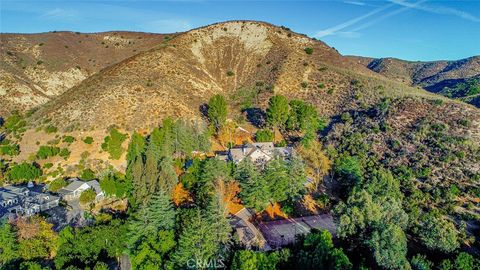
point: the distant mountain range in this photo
(455, 79)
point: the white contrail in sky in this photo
(334, 29)
(387, 15)
(438, 10)
(405, 6)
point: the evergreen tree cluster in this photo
(279, 181)
(151, 160)
(294, 115)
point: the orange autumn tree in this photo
(229, 191)
(274, 209)
(181, 195)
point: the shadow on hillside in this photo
(450, 83)
(256, 116)
(204, 110)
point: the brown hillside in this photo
(37, 67)
(176, 78)
(236, 59)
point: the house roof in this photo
(264, 145)
(74, 185)
(11, 192)
(6, 195)
(244, 213)
(95, 185)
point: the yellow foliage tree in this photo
(226, 134)
(36, 239)
(310, 204)
(318, 164)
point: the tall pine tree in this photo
(254, 189)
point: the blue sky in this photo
(407, 29)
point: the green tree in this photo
(15, 123)
(57, 184)
(465, 261)
(9, 149)
(88, 140)
(152, 251)
(382, 184)
(100, 266)
(389, 246)
(217, 110)
(302, 116)
(113, 143)
(47, 151)
(87, 175)
(211, 170)
(217, 214)
(196, 241)
(420, 262)
(348, 172)
(277, 176)
(31, 266)
(438, 233)
(108, 185)
(308, 50)
(357, 213)
(140, 189)
(151, 234)
(151, 170)
(277, 111)
(86, 247)
(297, 177)
(318, 252)
(254, 189)
(373, 212)
(23, 172)
(445, 264)
(136, 147)
(167, 175)
(157, 215)
(264, 135)
(88, 196)
(253, 260)
(68, 139)
(8, 244)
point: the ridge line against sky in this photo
(407, 29)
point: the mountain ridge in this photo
(255, 53)
(34, 68)
(441, 76)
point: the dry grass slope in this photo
(34, 68)
(175, 78)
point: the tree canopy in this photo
(217, 110)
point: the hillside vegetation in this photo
(395, 167)
(454, 79)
